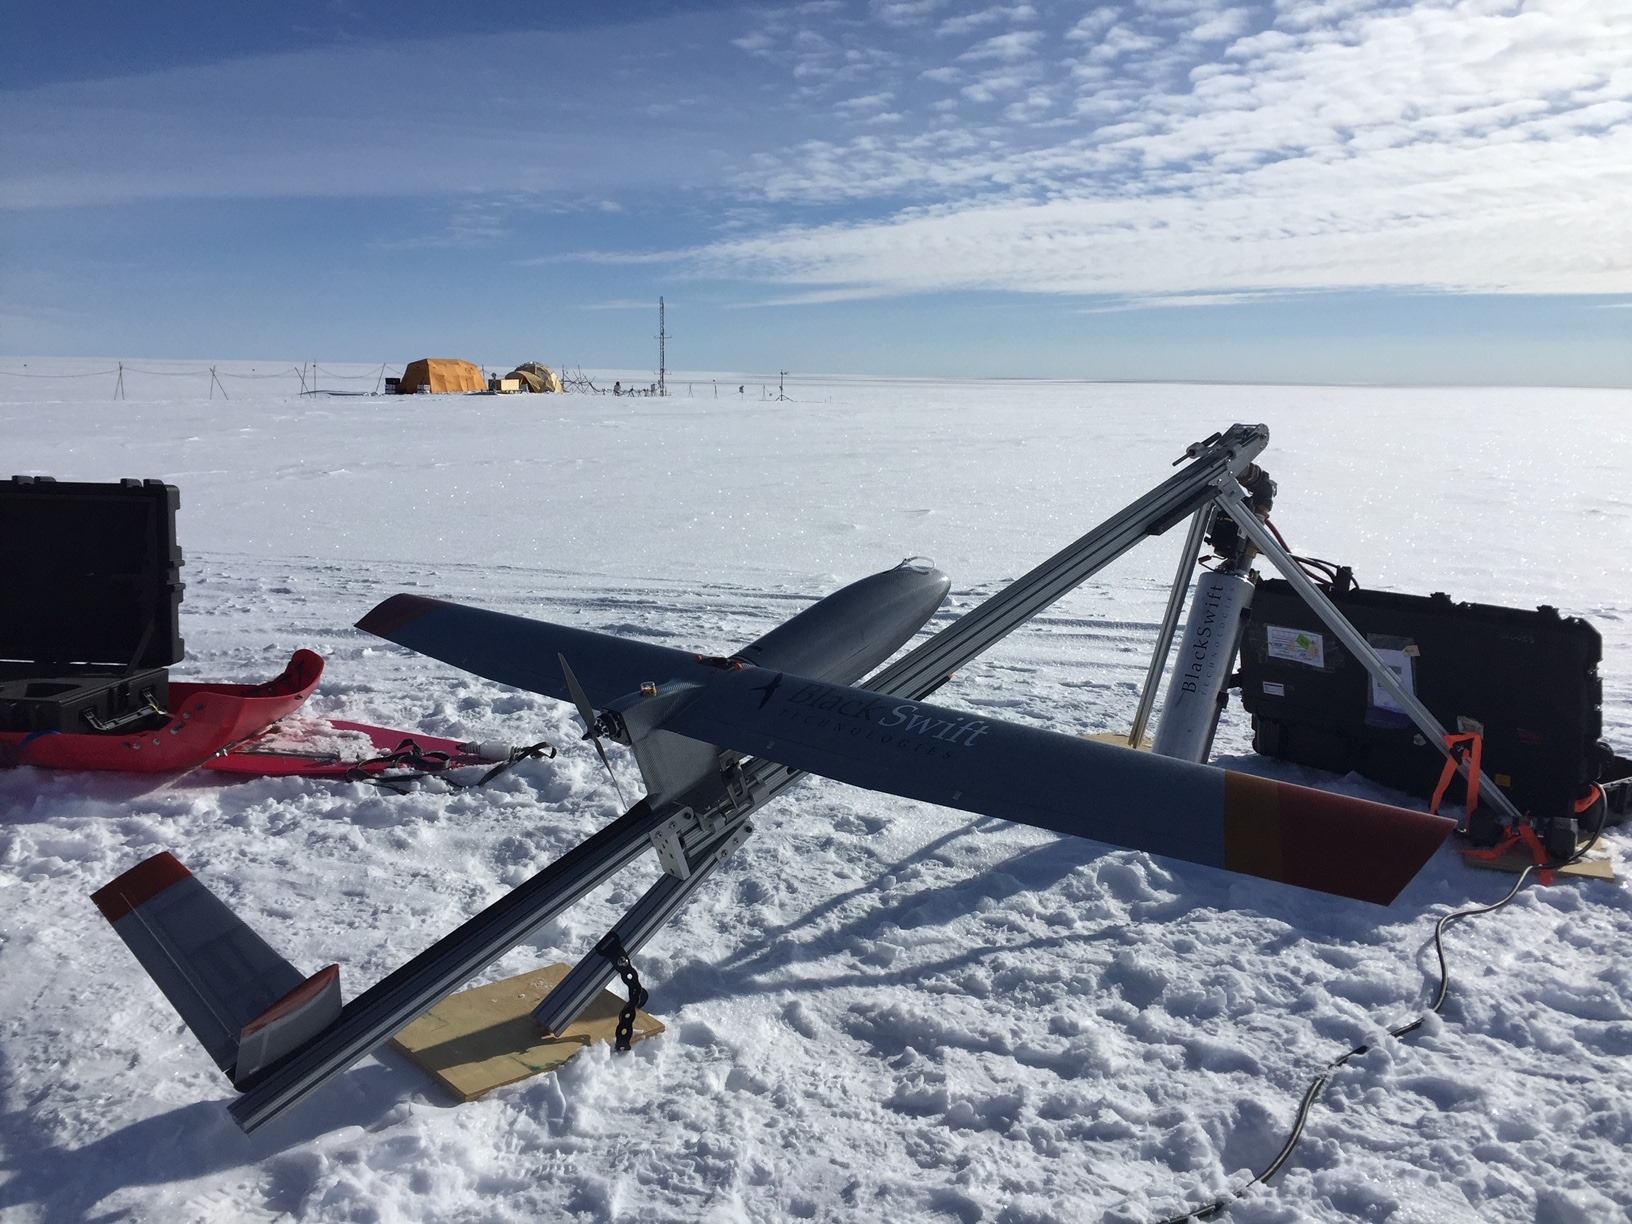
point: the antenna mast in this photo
(662, 342)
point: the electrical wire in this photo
(1313, 567)
(372, 374)
(91, 374)
(291, 372)
(1218, 1205)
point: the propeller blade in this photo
(609, 772)
(587, 713)
(579, 699)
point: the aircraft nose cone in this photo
(846, 635)
(927, 593)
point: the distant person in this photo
(617, 387)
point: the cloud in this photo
(1091, 26)
(1012, 48)
(1225, 25)
(868, 104)
(1478, 145)
(906, 12)
(1291, 224)
(1149, 147)
(991, 86)
(1167, 300)
(470, 223)
(968, 23)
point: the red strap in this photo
(1592, 796)
(1533, 843)
(1476, 752)
(1522, 834)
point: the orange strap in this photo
(1476, 752)
(1591, 797)
(1521, 835)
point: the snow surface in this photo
(878, 1010)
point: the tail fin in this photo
(246, 1005)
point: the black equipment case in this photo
(1526, 681)
(90, 598)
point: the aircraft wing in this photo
(521, 652)
(1199, 813)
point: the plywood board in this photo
(1119, 738)
(483, 1038)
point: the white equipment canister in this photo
(1206, 654)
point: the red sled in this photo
(275, 754)
(204, 719)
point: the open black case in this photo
(90, 599)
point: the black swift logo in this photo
(769, 689)
(900, 721)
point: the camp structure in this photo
(536, 377)
(440, 374)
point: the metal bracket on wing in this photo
(737, 790)
(685, 841)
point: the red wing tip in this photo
(386, 618)
(297, 998)
(1355, 847)
(139, 885)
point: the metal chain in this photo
(612, 948)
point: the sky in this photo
(1367, 191)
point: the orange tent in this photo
(441, 374)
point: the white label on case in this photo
(1296, 646)
(1398, 662)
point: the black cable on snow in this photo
(1210, 1210)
